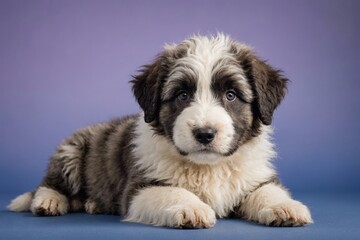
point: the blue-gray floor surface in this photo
(336, 216)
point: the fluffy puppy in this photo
(200, 150)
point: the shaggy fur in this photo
(200, 150)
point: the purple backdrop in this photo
(66, 64)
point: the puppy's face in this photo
(208, 96)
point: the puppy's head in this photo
(208, 96)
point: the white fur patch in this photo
(49, 202)
(172, 207)
(21, 203)
(220, 185)
(200, 115)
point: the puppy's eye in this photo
(230, 95)
(183, 96)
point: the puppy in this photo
(200, 150)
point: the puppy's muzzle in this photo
(204, 135)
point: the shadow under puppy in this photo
(201, 149)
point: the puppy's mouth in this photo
(203, 151)
(204, 156)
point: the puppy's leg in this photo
(49, 202)
(63, 176)
(91, 207)
(272, 205)
(170, 206)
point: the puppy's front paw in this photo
(200, 216)
(290, 213)
(171, 207)
(192, 215)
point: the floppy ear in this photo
(147, 87)
(269, 86)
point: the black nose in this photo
(204, 135)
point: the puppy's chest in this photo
(221, 188)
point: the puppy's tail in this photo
(21, 203)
